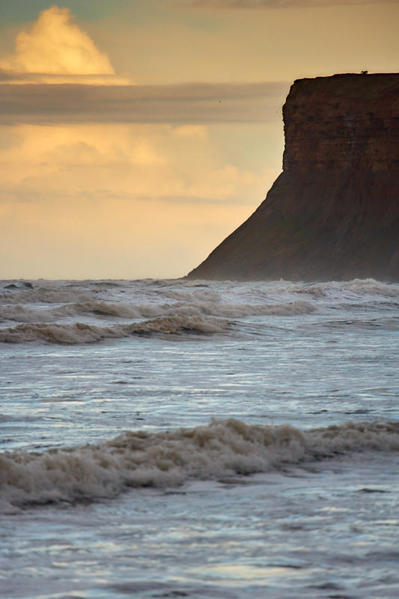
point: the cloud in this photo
(183, 103)
(54, 46)
(127, 161)
(123, 200)
(262, 4)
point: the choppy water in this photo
(197, 439)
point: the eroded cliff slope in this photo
(333, 213)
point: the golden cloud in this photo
(54, 48)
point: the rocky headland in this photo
(333, 213)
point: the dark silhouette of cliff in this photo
(333, 213)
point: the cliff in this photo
(333, 213)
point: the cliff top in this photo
(350, 85)
(348, 121)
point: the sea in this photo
(209, 440)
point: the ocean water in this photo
(174, 438)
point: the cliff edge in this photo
(333, 213)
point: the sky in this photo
(137, 134)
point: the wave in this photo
(55, 294)
(362, 287)
(241, 310)
(371, 287)
(27, 314)
(79, 332)
(62, 305)
(142, 459)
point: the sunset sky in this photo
(136, 134)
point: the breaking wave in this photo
(360, 287)
(142, 459)
(26, 314)
(80, 332)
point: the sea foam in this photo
(142, 459)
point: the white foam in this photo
(139, 459)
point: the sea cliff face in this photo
(333, 213)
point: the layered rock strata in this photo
(333, 213)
